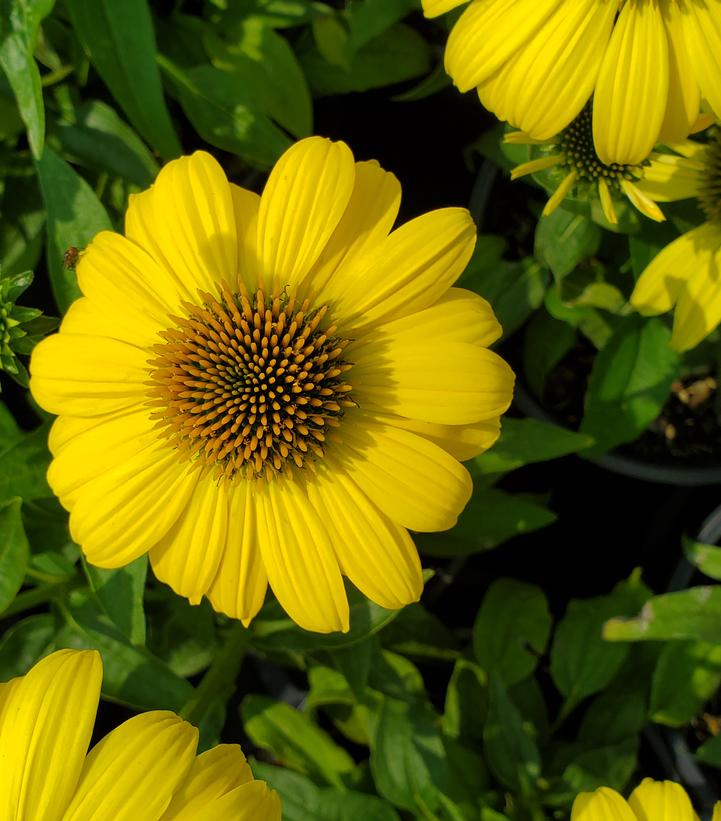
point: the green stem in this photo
(40, 595)
(219, 679)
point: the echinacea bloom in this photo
(581, 169)
(272, 388)
(536, 63)
(686, 274)
(144, 770)
(650, 801)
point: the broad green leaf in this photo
(372, 17)
(293, 738)
(14, 551)
(25, 643)
(120, 594)
(490, 518)
(10, 432)
(23, 467)
(355, 663)
(704, 556)
(610, 766)
(597, 326)
(100, 140)
(332, 39)
(183, 635)
(630, 382)
(511, 629)
(395, 675)
(688, 673)
(407, 754)
(710, 752)
(546, 341)
(305, 801)
(616, 715)
(120, 41)
(464, 714)
(23, 220)
(19, 22)
(510, 750)
(524, 441)
(74, 216)
(565, 239)
(418, 633)
(688, 614)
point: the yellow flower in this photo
(582, 171)
(650, 801)
(144, 770)
(686, 274)
(272, 389)
(536, 63)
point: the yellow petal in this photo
(668, 178)
(660, 285)
(547, 82)
(186, 558)
(702, 32)
(298, 556)
(716, 812)
(433, 8)
(604, 804)
(559, 195)
(661, 801)
(133, 772)
(489, 33)
(213, 774)
(639, 199)
(461, 441)
(246, 205)
(87, 375)
(240, 582)
(414, 482)
(684, 95)
(302, 203)
(411, 270)
(377, 555)
(698, 310)
(632, 89)
(249, 802)
(45, 732)
(186, 222)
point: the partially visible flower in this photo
(583, 172)
(686, 274)
(536, 63)
(144, 770)
(650, 801)
(20, 328)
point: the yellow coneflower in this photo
(650, 801)
(144, 770)
(536, 63)
(686, 274)
(574, 154)
(272, 389)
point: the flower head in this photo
(536, 63)
(272, 389)
(144, 770)
(650, 801)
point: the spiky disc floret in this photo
(710, 195)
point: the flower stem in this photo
(39, 595)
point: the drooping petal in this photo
(302, 203)
(698, 310)
(186, 222)
(240, 583)
(134, 771)
(246, 205)
(632, 89)
(433, 8)
(45, 730)
(702, 32)
(684, 96)
(187, 557)
(661, 801)
(601, 805)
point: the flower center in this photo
(710, 196)
(249, 385)
(576, 143)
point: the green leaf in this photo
(23, 220)
(293, 738)
(305, 801)
(616, 715)
(25, 643)
(524, 441)
(610, 766)
(710, 752)
(10, 432)
(74, 216)
(371, 18)
(511, 629)
(14, 551)
(629, 383)
(355, 663)
(100, 140)
(464, 714)
(490, 518)
(23, 467)
(565, 239)
(418, 633)
(688, 673)
(407, 754)
(510, 751)
(706, 557)
(19, 22)
(688, 614)
(120, 594)
(120, 41)
(546, 341)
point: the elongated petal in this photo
(188, 555)
(410, 479)
(44, 735)
(698, 311)
(246, 205)
(684, 95)
(632, 90)
(249, 802)
(240, 583)
(134, 771)
(461, 441)
(302, 203)
(702, 33)
(186, 222)
(661, 801)
(601, 805)
(668, 178)
(433, 8)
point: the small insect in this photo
(71, 257)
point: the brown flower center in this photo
(249, 385)
(710, 197)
